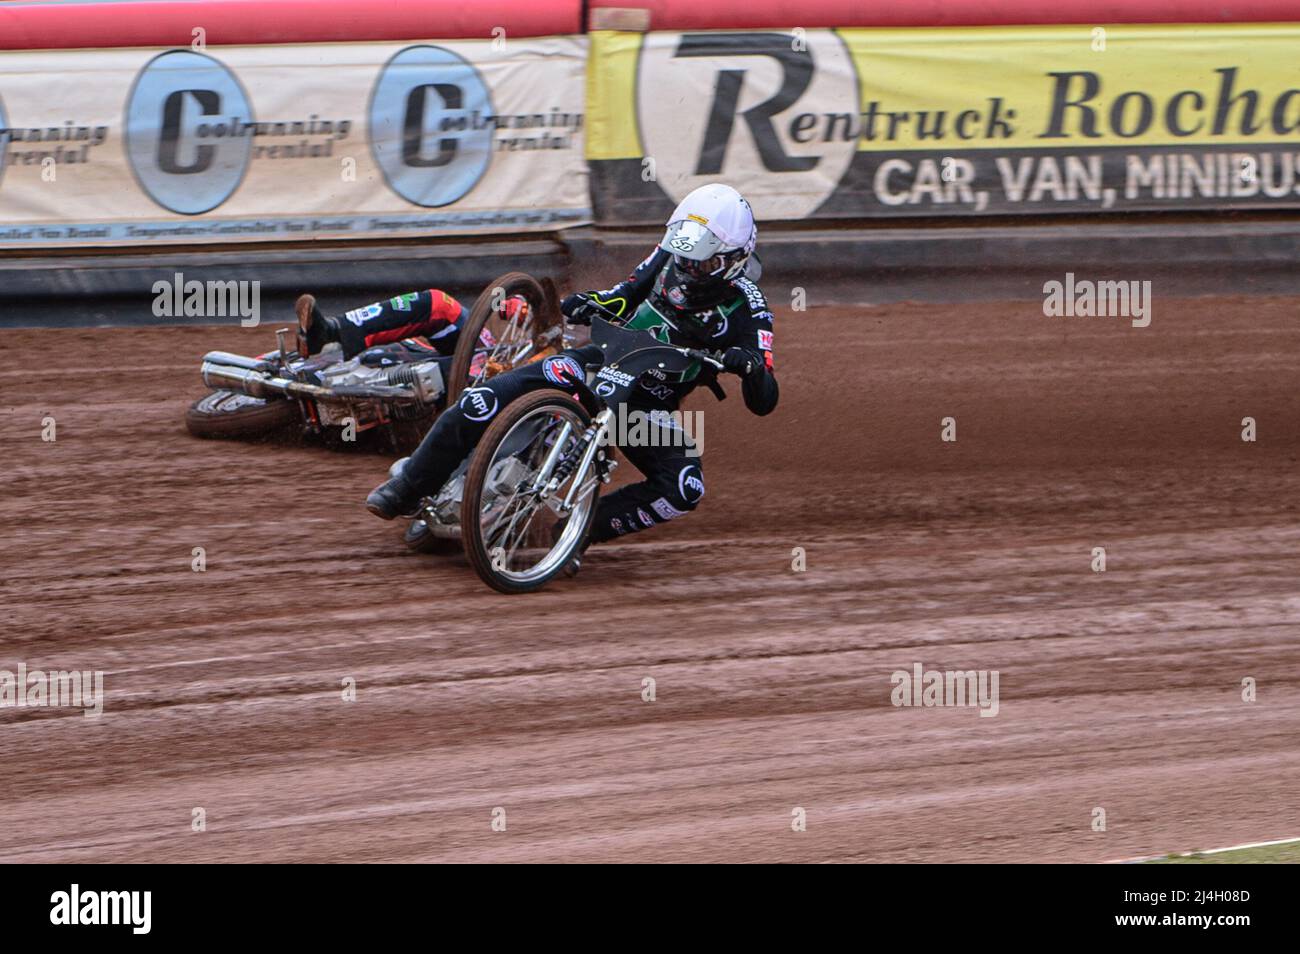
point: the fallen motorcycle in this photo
(522, 503)
(397, 389)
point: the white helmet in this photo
(711, 233)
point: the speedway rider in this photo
(693, 292)
(432, 314)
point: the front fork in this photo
(553, 474)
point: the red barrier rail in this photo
(783, 14)
(229, 22)
(165, 23)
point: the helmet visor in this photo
(705, 269)
(691, 241)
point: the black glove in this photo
(577, 309)
(738, 361)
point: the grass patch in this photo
(1284, 854)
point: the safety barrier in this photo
(135, 123)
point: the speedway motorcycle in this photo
(522, 503)
(395, 389)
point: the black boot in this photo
(395, 497)
(314, 329)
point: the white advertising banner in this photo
(316, 141)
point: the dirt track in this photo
(1119, 690)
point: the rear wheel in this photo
(224, 413)
(515, 539)
(490, 345)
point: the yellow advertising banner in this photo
(1029, 87)
(973, 120)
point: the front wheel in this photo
(515, 537)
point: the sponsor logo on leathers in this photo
(562, 370)
(478, 404)
(359, 316)
(665, 509)
(753, 295)
(690, 483)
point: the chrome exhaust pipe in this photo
(236, 361)
(257, 384)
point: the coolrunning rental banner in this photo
(258, 143)
(418, 138)
(947, 122)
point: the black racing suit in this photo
(716, 316)
(432, 314)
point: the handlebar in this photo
(591, 303)
(708, 357)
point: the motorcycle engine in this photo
(425, 377)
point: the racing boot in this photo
(395, 497)
(314, 329)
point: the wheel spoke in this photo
(522, 535)
(510, 539)
(510, 509)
